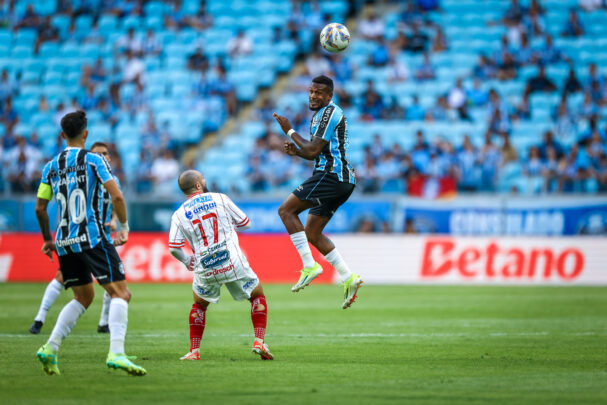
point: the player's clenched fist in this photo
(290, 148)
(192, 263)
(121, 238)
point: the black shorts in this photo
(102, 261)
(325, 191)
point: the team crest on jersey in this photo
(189, 215)
(121, 268)
(215, 259)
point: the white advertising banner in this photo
(404, 259)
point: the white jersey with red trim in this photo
(208, 223)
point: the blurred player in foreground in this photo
(208, 222)
(75, 177)
(330, 186)
(54, 287)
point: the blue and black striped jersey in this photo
(76, 177)
(107, 210)
(329, 123)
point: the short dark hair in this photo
(102, 144)
(73, 124)
(322, 79)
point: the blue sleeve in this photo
(102, 168)
(45, 172)
(329, 119)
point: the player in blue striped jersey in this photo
(53, 289)
(330, 186)
(76, 177)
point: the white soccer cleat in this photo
(351, 286)
(195, 355)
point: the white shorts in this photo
(240, 289)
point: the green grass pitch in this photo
(397, 344)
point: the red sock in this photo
(197, 320)
(259, 315)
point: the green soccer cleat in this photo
(351, 286)
(48, 357)
(123, 362)
(307, 275)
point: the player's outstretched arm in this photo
(306, 149)
(120, 209)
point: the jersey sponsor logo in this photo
(198, 200)
(249, 284)
(70, 169)
(219, 271)
(215, 259)
(200, 208)
(213, 248)
(71, 241)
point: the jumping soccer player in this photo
(208, 222)
(330, 186)
(52, 291)
(75, 177)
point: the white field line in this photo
(331, 336)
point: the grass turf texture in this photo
(395, 345)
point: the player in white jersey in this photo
(209, 222)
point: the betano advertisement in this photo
(379, 259)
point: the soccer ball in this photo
(335, 37)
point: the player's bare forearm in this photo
(308, 149)
(43, 221)
(117, 200)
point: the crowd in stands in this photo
(569, 155)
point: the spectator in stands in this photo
(534, 22)
(151, 44)
(439, 43)
(564, 127)
(411, 14)
(549, 53)
(380, 54)
(396, 69)
(549, 169)
(129, 43)
(98, 74)
(43, 105)
(223, 87)
(23, 167)
(490, 158)
(591, 5)
(8, 115)
(524, 55)
(417, 41)
(8, 16)
(573, 25)
(165, 169)
(523, 109)
(601, 173)
(109, 112)
(484, 68)
(89, 100)
(256, 175)
(133, 69)
(29, 19)
(477, 96)
(588, 108)
(317, 65)
(509, 153)
(572, 84)
(593, 77)
(425, 71)
(376, 150)
(499, 55)
(373, 104)
(415, 111)
(8, 87)
(466, 161)
(174, 18)
(341, 67)
(438, 112)
(393, 111)
(540, 83)
(202, 20)
(314, 17)
(388, 172)
(93, 36)
(240, 45)
(46, 33)
(198, 60)
(514, 13)
(371, 27)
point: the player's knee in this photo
(283, 211)
(84, 299)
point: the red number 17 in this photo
(213, 218)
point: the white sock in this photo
(52, 292)
(340, 265)
(118, 318)
(300, 241)
(65, 322)
(105, 309)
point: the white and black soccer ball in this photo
(335, 37)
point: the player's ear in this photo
(85, 134)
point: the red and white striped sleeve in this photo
(176, 236)
(239, 218)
